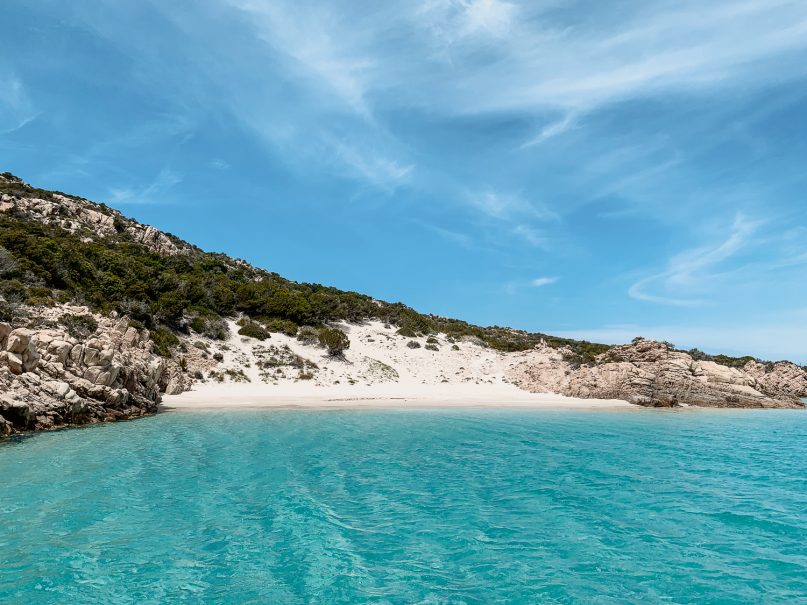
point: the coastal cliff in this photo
(100, 316)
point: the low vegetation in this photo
(253, 330)
(79, 326)
(335, 340)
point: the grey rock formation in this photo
(50, 379)
(649, 373)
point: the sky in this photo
(590, 169)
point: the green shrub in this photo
(432, 340)
(254, 330)
(455, 348)
(413, 344)
(406, 331)
(211, 326)
(198, 324)
(119, 223)
(79, 326)
(431, 347)
(308, 335)
(39, 296)
(283, 326)
(334, 340)
(13, 290)
(164, 340)
(7, 311)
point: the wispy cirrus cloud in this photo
(508, 206)
(517, 286)
(694, 271)
(616, 147)
(326, 67)
(150, 193)
(374, 169)
(17, 108)
(461, 239)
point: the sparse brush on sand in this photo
(379, 369)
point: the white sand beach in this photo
(261, 396)
(379, 370)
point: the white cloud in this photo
(552, 130)
(16, 108)
(692, 270)
(492, 16)
(154, 192)
(373, 168)
(507, 206)
(531, 235)
(543, 281)
(315, 39)
(461, 239)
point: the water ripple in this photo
(409, 507)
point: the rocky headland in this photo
(651, 373)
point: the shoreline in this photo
(377, 397)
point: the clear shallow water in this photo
(410, 507)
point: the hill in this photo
(100, 315)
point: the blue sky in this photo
(582, 168)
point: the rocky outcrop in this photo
(50, 379)
(649, 373)
(81, 216)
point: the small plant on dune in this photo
(413, 344)
(431, 347)
(283, 326)
(254, 330)
(308, 335)
(432, 340)
(334, 340)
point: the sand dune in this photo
(379, 370)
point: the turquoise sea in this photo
(276, 507)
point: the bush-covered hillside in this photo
(42, 264)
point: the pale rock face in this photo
(60, 381)
(5, 330)
(71, 214)
(722, 374)
(14, 363)
(131, 338)
(648, 373)
(19, 340)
